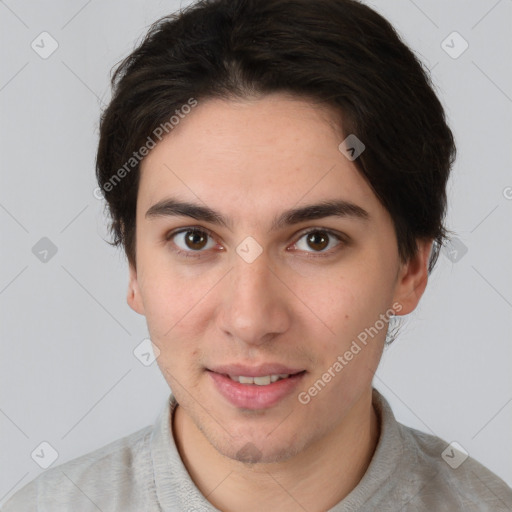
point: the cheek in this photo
(350, 299)
(173, 299)
(352, 305)
(178, 312)
(349, 355)
(179, 366)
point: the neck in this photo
(316, 479)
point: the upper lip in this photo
(255, 371)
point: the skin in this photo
(250, 160)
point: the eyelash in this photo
(198, 254)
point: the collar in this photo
(177, 492)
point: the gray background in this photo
(68, 374)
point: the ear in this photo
(412, 278)
(133, 296)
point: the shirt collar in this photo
(177, 492)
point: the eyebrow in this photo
(172, 207)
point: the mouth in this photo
(265, 380)
(255, 388)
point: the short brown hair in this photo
(340, 53)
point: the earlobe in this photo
(413, 277)
(133, 297)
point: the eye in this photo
(320, 240)
(191, 240)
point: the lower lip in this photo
(252, 396)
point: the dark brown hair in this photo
(339, 53)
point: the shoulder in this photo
(451, 479)
(109, 478)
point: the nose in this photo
(255, 303)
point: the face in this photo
(239, 275)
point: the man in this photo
(273, 233)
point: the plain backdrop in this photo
(68, 374)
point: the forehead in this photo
(256, 154)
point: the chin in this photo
(258, 449)
(251, 453)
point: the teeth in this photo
(259, 381)
(262, 381)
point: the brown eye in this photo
(318, 240)
(196, 240)
(191, 240)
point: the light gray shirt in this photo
(143, 472)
